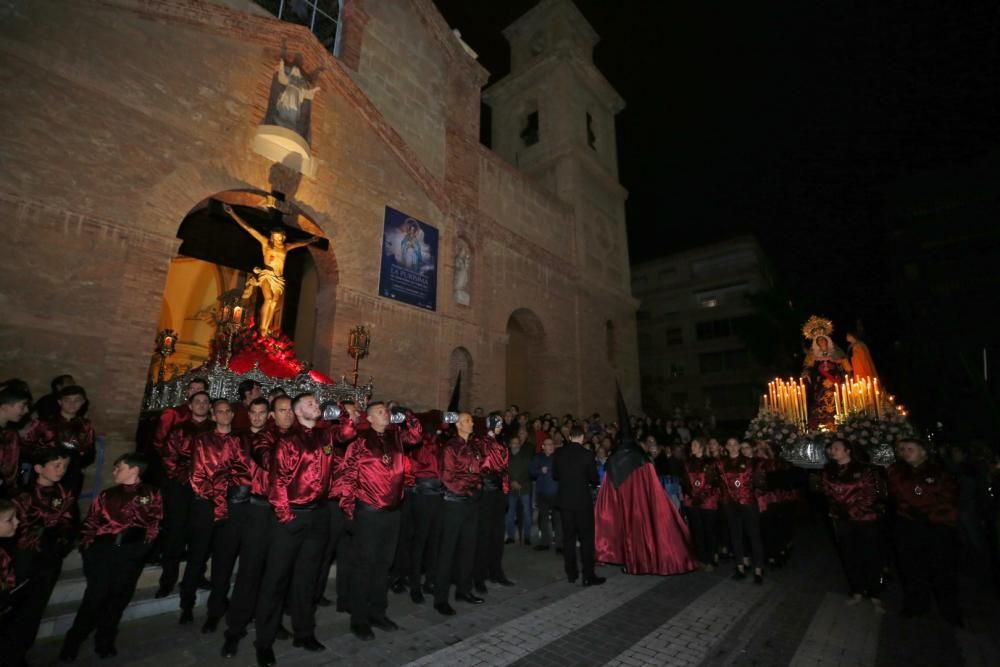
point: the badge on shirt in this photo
(929, 480)
(327, 449)
(918, 491)
(386, 460)
(697, 483)
(57, 502)
(737, 484)
(143, 500)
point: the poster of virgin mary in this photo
(409, 260)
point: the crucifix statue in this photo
(269, 279)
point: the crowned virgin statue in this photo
(825, 367)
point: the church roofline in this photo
(551, 6)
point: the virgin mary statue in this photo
(825, 367)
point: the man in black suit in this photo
(575, 469)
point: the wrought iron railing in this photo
(323, 17)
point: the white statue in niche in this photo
(463, 264)
(295, 93)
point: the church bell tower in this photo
(553, 117)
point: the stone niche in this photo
(283, 137)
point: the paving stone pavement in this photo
(797, 617)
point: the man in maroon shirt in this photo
(14, 401)
(122, 523)
(926, 501)
(177, 492)
(259, 525)
(67, 429)
(216, 459)
(462, 478)
(492, 509)
(375, 472)
(171, 417)
(427, 498)
(299, 487)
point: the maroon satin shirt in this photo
(76, 434)
(216, 459)
(302, 472)
(43, 508)
(496, 460)
(852, 491)
(426, 458)
(121, 507)
(701, 483)
(736, 476)
(927, 492)
(7, 578)
(461, 465)
(10, 461)
(765, 497)
(178, 450)
(169, 419)
(375, 471)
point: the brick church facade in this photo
(124, 118)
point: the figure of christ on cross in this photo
(270, 279)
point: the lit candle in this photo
(225, 313)
(238, 314)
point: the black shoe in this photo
(594, 581)
(211, 623)
(541, 547)
(187, 616)
(469, 598)
(444, 609)
(398, 586)
(417, 596)
(164, 590)
(106, 652)
(362, 631)
(265, 657)
(571, 580)
(503, 581)
(309, 643)
(282, 634)
(739, 575)
(758, 578)
(480, 587)
(204, 584)
(324, 601)
(509, 540)
(67, 653)
(384, 623)
(230, 646)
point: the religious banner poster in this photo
(409, 260)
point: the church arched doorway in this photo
(215, 260)
(525, 354)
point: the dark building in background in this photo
(693, 308)
(945, 254)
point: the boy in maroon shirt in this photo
(116, 535)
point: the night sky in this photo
(790, 120)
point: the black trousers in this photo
(177, 499)
(256, 534)
(404, 545)
(41, 570)
(112, 573)
(858, 542)
(290, 572)
(744, 520)
(201, 527)
(578, 524)
(927, 564)
(427, 510)
(549, 523)
(337, 547)
(704, 525)
(489, 536)
(227, 545)
(459, 519)
(771, 531)
(373, 548)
